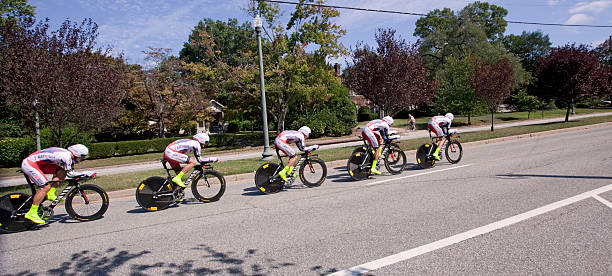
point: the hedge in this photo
(14, 150)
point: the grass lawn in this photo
(131, 180)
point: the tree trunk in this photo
(469, 119)
(161, 126)
(528, 113)
(492, 120)
(281, 120)
(567, 112)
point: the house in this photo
(214, 122)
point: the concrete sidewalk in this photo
(326, 143)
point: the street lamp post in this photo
(266, 155)
(37, 125)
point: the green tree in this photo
(526, 102)
(15, 11)
(529, 46)
(455, 93)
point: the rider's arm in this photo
(197, 151)
(384, 133)
(300, 144)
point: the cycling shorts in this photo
(435, 128)
(175, 158)
(36, 172)
(371, 136)
(284, 147)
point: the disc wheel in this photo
(358, 166)
(90, 202)
(453, 152)
(265, 179)
(423, 158)
(151, 186)
(359, 149)
(9, 204)
(209, 186)
(395, 160)
(313, 172)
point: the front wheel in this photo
(11, 217)
(424, 158)
(154, 193)
(313, 172)
(454, 152)
(267, 180)
(209, 186)
(87, 202)
(395, 160)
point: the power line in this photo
(422, 14)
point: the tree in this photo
(492, 83)
(604, 50)
(455, 92)
(75, 84)
(393, 76)
(15, 11)
(569, 73)
(171, 91)
(526, 102)
(529, 46)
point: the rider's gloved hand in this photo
(89, 174)
(213, 159)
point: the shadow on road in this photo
(553, 176)
(200, 260)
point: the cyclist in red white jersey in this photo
(282, 143)
(175, 154)
(375, 132)
(440, 125)
(56, 161)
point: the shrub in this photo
(14, 150)
(233, 126)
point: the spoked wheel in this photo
(358, 166)
(424, 159)
(9, 204)
(454, 152)
(154, 194)
(87, 203)
(265, 179)
(209, 186)
(395, 160)
(313, 172)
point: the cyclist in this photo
(282, 143)
(56, 161)
(175, 154)
(375, 132)
(440, 125)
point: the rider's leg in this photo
(60, 174)
(437, 151)
(288, 168)
(32, 214)
(377, 152)
(178, 179)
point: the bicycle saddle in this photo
(311, 148)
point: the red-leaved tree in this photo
(74, 83)
(393, 76)
(492, 83)
(569, 73)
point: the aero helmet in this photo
(449, 116)
(388, 120)
(202, 138)
(79, 150)
(305, 130)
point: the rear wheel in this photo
(209, 186)
(395, 160)
(454, 152)
(360, 149)
(424, 159)
(88, 202)
(358, 166)
(266, 179)
(154, 194)
(313, 172)
(8, 206)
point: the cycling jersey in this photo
(175, 152)
(289, 136)
(373, 130)
(47, 161)
(439, 125)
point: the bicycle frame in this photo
(369, 149)
(72, 184)
(448, 138)
(304, 157)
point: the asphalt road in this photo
(530, 206)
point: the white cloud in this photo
(579, 18)
(595, 6)
(553, 2)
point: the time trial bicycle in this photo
(360, 162)
(452, 150)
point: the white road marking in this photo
(408, 254)
(418, 174)
(605, 202)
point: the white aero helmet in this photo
(79, 150)
(388, 120)
(449, 116)
(305, 130)
(202, 138)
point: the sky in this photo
(130, 26)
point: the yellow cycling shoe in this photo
(34, 218)
(375, 171)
